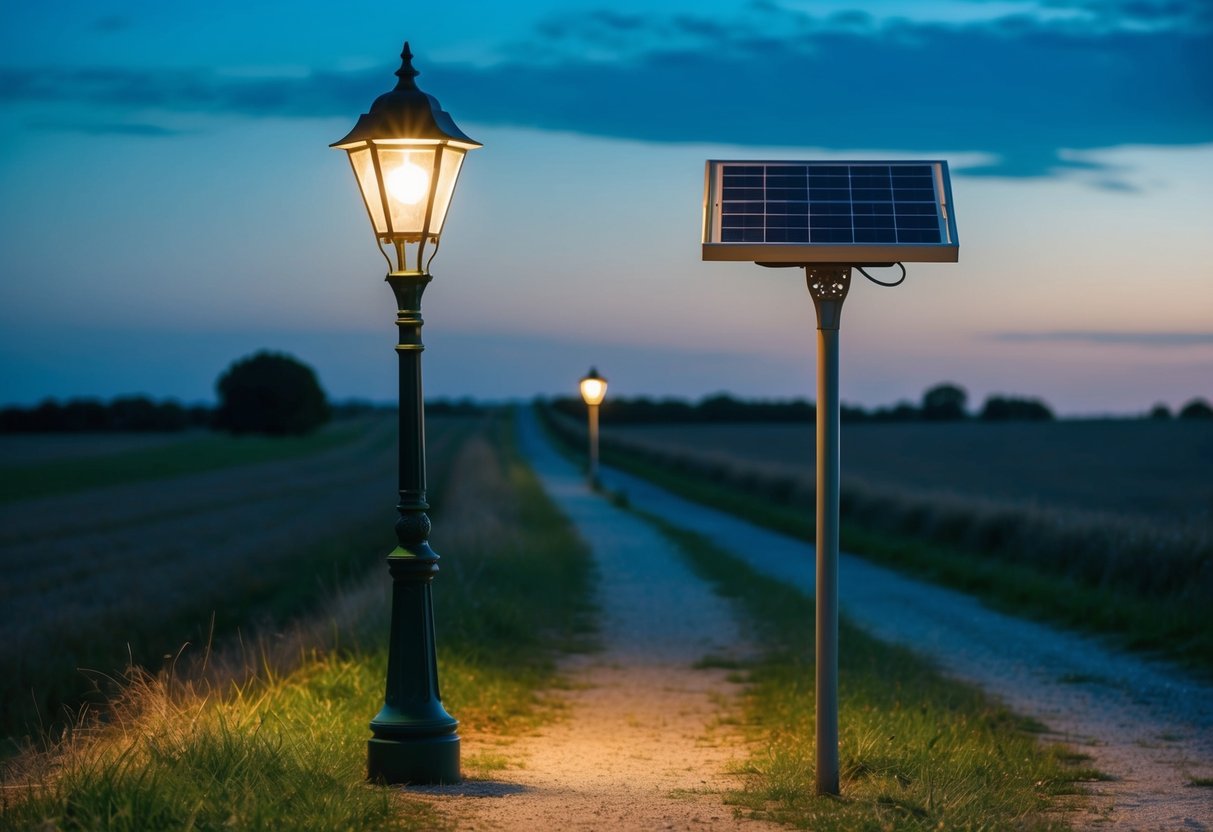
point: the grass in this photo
(140, 574)
(273, 736)
(189, 456)
(1172, 623)
(917, 751)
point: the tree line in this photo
(940, 403)
(266, 393)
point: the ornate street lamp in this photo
(593, 391)
(406, 154)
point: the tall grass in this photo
(271, 735)
(1150, 582)
(131, 573)
(917, 751)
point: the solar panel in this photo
(829, 212)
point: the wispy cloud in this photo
(102, 128)
(1111, 337)
(1030, 92)
(111, 23)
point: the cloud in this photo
(1028, 93)
(99, 128)
(111, 23)
(1136, 339)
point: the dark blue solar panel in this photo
(829, 203)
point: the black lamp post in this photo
(406, 154)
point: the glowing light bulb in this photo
(408, 183)
(593, 390)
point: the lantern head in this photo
(406, 154)
(593, 387)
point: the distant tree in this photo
(85, 415)
(270, 393)
(944, 402)
(125, 413)
(852, 413)
(1160, 412)
(1015, 409)
(721, 407)
(133, 413)
(1196, 409)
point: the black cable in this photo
(896, 282)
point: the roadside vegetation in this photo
(99, 578)
(1147, 581)
(917, 751)
(270, 732)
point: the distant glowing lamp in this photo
(406, 153)
(593, 391)
(593, 388)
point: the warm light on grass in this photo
(273, 735)
(917, 751)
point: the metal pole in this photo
(593, 444)
(828, 286)
(414, 739)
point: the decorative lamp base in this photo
(420, 760)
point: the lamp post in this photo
(593, 391)
(829, 218)
(406, 153)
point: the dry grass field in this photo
(1160, 470)
(134, 570)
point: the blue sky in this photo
(170, 202)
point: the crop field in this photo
(133, 568)
(1149, 469)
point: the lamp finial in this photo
(406, 73)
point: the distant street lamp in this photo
(593, 391)
(406, 154)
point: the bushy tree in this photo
(1196, 409)
(270, 393)
(1015, 409)
(944, 402)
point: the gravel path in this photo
(640, 748)
(1145, 724)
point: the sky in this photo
(170, 202)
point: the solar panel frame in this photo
(841, 212)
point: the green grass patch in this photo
(1155, 625)
(190, 456)
(286, 748)
(917, 751)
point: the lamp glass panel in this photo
(452, 161)
(593, 390)
(364, 169)
(407, 174)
